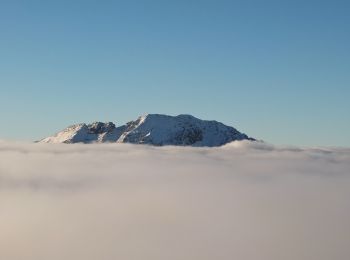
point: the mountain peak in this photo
(153, 129)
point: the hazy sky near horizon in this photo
(276, 70)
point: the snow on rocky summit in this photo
(153, 129)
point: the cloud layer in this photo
(118, 201)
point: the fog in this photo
(244, 201)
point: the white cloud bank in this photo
(242, 201)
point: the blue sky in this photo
(276, 70)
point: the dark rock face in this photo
(188, 136)
(100, 128)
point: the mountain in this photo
(153, 129)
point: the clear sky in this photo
(276, 70)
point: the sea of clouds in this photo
(244, 201)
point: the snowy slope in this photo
(153, 129)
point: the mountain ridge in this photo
(152, 129)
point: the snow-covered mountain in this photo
(153, 129)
